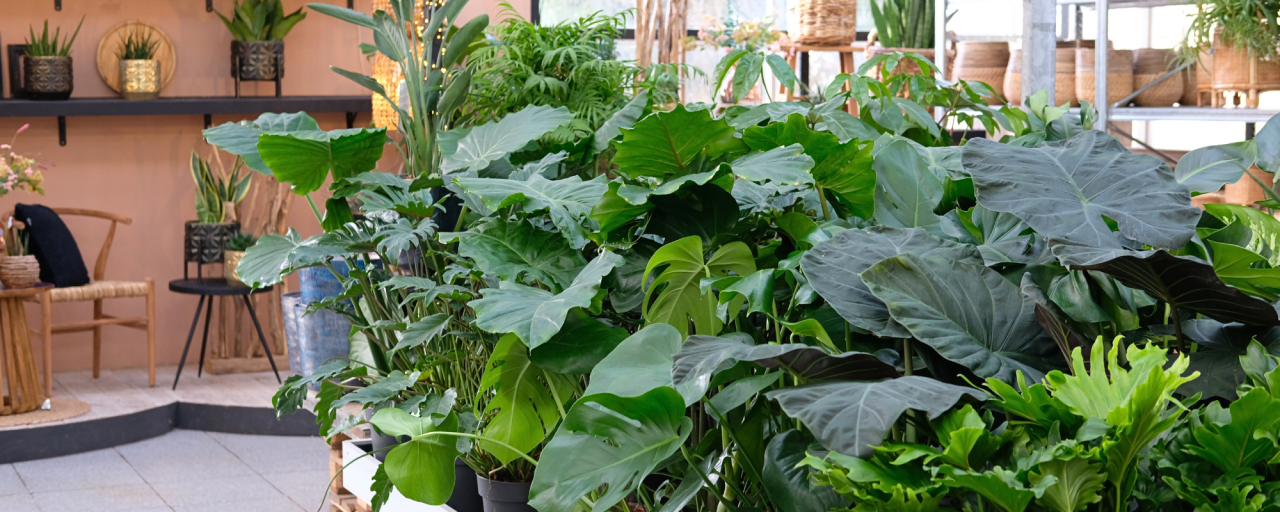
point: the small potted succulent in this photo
(46, 65)
(216, 197)
(258, 28)
(139, 69)
(237, 244)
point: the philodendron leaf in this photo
(421, 469)
(1217, 357)
(682, 301)
(305, 159)
(534, 314)
(567, 201)
(641, 363)
(1244, 269)
(420, 332)
(906, 190)
(492, 141)
(611, 441)
(968, 313)
(624, 118)
(1064, 189)
(700, 357)
(525, 402)
(998, 486)
(579, 346)
(1207, 169)
(276, 256)
(785, 165)
(788, 484)
(833, 268)
(241, 139)
(1246, 440)
(666, 143)
(1265, 229)
(513, 249)
(1078, 483)
(854, 417)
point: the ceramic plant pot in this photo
(19, 271)
(46, 78)
(230, 262)
(204, 242)
(257, 60)
(140, 79)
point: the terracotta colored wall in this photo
(137, 166)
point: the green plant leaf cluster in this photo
(260, 20)
(51, 45)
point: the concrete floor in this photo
(182, 471)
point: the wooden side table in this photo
(799, 58)
(17, 363)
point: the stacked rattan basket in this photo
(822, 22)
(1119, 75)
(984, 62)
(1127, 71)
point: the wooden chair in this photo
(97, 290)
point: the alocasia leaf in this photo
(682, 301)
(241, 139)
(421, 469)
(906, 190)
(492, 141)
(786, 165)
(854, 417)
(1063, 190)
(580, 345)
(788, 484)
(567, 201)
(848, 174)
(1000, 237)
(611, 441)
(623, 118)
(534, 314)
(1217, 356)
(968, 313)
(641, 363)
(1209, 168)
(818, 145)
(525, 400)
(666, 143)
(833, 269)
(705, 212)
(514, 248)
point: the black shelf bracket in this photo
(62, 131)
(57, 5)
(351, 120)
(351, 4)
(208, 5)
(208, 121)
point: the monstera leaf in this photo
(1209, 168)
(611, 441)
(906, 190)
(833, 269)
(1218, 356)
(525, 402)
(568, 201)
(492, 141)
(682, 301)
(666, 143)
(701, 356)
(640, 363)
(241, 139)
(534, 314)
(968, 313)
(853, 418)
(512, 249)
(1064, 189)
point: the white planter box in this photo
(358, 480)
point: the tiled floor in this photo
(182, 471)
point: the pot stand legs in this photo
(204, 342)
(265, 349)
(194, 322)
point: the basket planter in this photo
(504, 496)
(1119, 75)
(1150, 64)
(1238, 70)
(230, 262)
(1064, 77)
(822, 22)
(257, 60)
(1013, 78)
(47, 78)
(19, 271)
(140, 79)
(984, 62)
(204, 242)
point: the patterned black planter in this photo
(203, 243)
(46, 78)
(257, 60)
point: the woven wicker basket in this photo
(982, 62)
(1064, 78)
(1190, 86)
(1119, 74)
(1150, 64)
(822, 22)
(1013, 78)
(19, 271)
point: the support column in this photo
(1101, 51)
(1039, 46)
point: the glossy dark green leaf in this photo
(847, 173)
(513, 249)
(701, 357)
(641, 363)
(666, 143)
(788, 484)
(906, 190)
(421, 469)
(304, 160)
(786, 165)
(581, 343)
(705, 212)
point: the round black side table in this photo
(208, 288)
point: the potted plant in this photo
(237, 244)
(139, 70)
(742, 38)
(216, 199)
(904, 26)
(258, 28)
(46, 65)
(1241, 36)
(18, 268)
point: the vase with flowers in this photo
(18, 268)
(739, 38)
(18, 172)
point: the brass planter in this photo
(257, 60)
(46, 78)
(140, 79)
(231, 262)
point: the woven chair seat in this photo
(99, 290)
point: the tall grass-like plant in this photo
(51, 45)
(138, 46)
(904, 23)
(261, 20)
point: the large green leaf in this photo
(567, 201)
(704, 212)
(1245, 270)
(1217, 357)
(906, 190)
(512, 249)
(968, 313)
(421, 469)
(1064, 189)
(1078, 483)
(666, 143)
(241, 139)
(675, 297)
(853, 418)
(848, 174)
(305, 159)
(998, 486)
(489, 142)
(580, 345)
(788, 484)
(818, 145)
(611, 441)
(1247, 439)
(641, 363)
(626, 117)
(1209, 168)
(1265, 229)
(700, 357)
(1268, 142)
(1000, 237)
(276, 256)
(525, 401)
(536, 315)
(833, 269)
(786, 165)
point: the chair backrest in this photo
(99, 268)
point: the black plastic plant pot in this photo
(257, 60)
(205, 242)
(381, 441)
(465, 497)
(504, 496)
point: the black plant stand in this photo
(208, 288)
